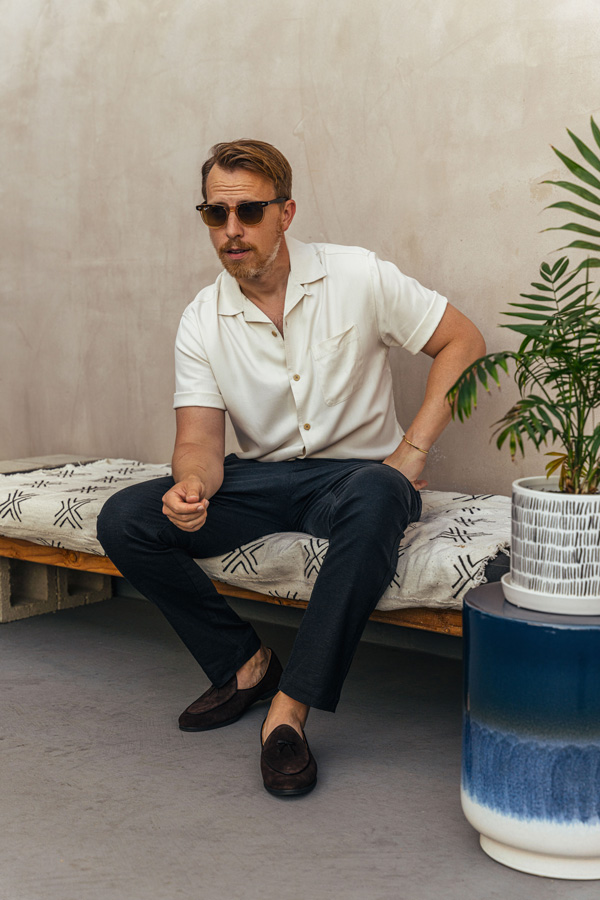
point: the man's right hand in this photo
(185, 505)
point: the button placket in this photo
(295, 377)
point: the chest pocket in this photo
(339, 365)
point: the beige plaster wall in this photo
(420, 130)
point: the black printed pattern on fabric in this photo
(458, 535)
(314, 554)
(465, 569)
(12, 506)
(69, 514)
(243, 558)
(397, 579)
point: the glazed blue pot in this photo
(531, 737)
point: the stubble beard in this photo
(260, 266)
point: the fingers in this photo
(189, 520)
(185, 506)
(181, 507)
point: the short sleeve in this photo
(407, 312)
(195, 383)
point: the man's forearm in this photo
(435, 412)
(190, 459)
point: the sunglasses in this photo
(250, 213)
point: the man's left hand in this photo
(410, 462)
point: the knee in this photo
(382, 484)
(385, 495)
(122, 516)
(113, 519)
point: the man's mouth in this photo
(237, 252)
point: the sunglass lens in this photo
(250, 213)
(214, 216)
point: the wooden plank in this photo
(444, 621)
(15, 548)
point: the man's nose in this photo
(233, 226)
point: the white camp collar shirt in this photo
(324, 388)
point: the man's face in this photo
(247, 251)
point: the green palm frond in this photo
(557, 365)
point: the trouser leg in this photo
(158, 559)
(364, 515)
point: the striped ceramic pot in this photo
(555, 549)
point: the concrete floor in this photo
(103, 798)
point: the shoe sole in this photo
(267, 696)
(291, 792)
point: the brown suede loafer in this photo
(222, 706)
(287, 765)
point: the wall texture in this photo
(418, 129)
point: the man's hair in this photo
(256, 156)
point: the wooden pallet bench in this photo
(76, 592)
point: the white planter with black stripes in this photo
(555, 549)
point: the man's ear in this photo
(289, 211)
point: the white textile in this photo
(441, 557)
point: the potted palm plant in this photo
(531, 732)
(555, 547)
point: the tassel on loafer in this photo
(222, 706)
(288, 767)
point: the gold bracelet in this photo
(406, 441)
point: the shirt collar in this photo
(305, 268)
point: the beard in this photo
(260, 265)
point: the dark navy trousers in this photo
(362, 507)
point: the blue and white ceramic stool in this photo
(531, 739)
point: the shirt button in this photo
(307, 427)
(274, 333)
(296, 378)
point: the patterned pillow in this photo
(440, 558)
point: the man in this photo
(292, 341)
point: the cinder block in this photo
(77, 588)
(26, 589)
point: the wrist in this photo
(421, 448)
